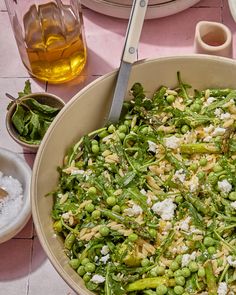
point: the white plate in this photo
(116, 9)
(232, 6)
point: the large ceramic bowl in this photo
(85, 112)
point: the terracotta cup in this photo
(213, 38)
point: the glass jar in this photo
(50, 37)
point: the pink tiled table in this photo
(24, 268)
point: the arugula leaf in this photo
(27, 89)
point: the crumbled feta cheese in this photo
(65, 215)
(152, 147)
(172, 142)
(233, 204)
(224, 186)
(165, 209)
(77, 172)
(231, 260)
(210, 100)
(193, 184)
(218, 131)
(208, 138)
(184, 225)
(97, 279)
(104, 259)
(143, 192)
(225, 116)
(187, 258)
(194, 230)
(218, 112)
(133, 211)
(222, 288)
(208, 129)
(105, 249)
(180, 175)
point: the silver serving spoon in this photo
(129, 55)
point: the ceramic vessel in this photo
(85, 112)
(213, 38)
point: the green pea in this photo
(203, 162)
(85, 261)
(74, 263)
(178, 273)
(184, 129)
(81, 270)
(104, 231)
(90, 267)
(144, 130)
(174, 265)
(186, 272)
(201, 272)
(193, 266)
(169, 273)
(111, 129)
(160, 270)
(89, 207)
(178, 258)
(94, 142)
(232, 196)
(179, 290)
(201, 175)
(111, 201)
(193, 167)
(170, 98)
(195, 107)
(180, 280)
(212, 178)
(95, 149)
(179, 199)
(122, 128)
(145, 262)
(133, 237)
(121, 135)
(92, 190)
(153, 272)
(208, 241)
(217, 168)
(211, 250)
(86, 277)
(57, 226)
(103, 134)
(116, 208)
(127, 122)
(161, 290)
(152, 232)
(96, 214)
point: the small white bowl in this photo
(13, 165)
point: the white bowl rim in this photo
(16, 225)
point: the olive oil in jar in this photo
(55, 49)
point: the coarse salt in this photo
(10, 205)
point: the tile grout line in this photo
(30, 266)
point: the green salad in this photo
(148, 206)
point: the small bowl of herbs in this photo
(29, 116)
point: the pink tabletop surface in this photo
(24, 268)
